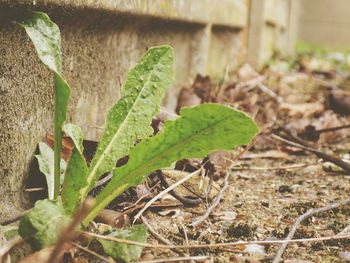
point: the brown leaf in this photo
(67, 145)
(302, 109)
(222, 161)
(187, 98)
(246, 72)
(339, 102)
(201, 87)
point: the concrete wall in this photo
(325, 23)
(101, 40)
(272, 26)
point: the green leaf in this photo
(42, 225)
(129, 120)
(197, 132)
(125, 252)
(46, 38)
(46, 166)
(75, 176)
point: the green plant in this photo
(198, 131)
(46, 38)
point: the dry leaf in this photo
(187, 98)
(246, 72)
(304, 110)
(339, 102)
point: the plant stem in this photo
(57, 146)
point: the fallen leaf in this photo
(222, 161)
(187, 98)
(67, 145)
(202, 87)
(246, 72)
(339, 101)
(304, 110)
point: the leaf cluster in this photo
(197, 132)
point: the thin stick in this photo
(287, 167)
(216, 201)
(269, 92)
(333, 129)
(300, 219)
(195, 258)
(216, 245)
(219, 196)
(164, 192)
(160, 238)
(37, 189)
(182, 199)
(324, 156)
(90, 251)
(140, 199)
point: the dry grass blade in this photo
(287, 167)
(91, 252)
(216, 245)
(214, 204)
(219, 196)
(181, 259)
(164, 192)
(159, 237)
(300, 219)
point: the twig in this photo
(4, 249)
(322, 155)
(216, 201)
(161, 239)
(164, 192)
(269, 92)
(216, 245)
(70, 232)
(309, 213)
(332, 129)
(182, 199)
(90, 251)
(182, 259)
(37, 189)
(126, 208)
(287, 167)
(219, 196)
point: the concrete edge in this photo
(225, 13)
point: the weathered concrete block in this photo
(101, 40)
(272, 26)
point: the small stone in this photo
(285, 189)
